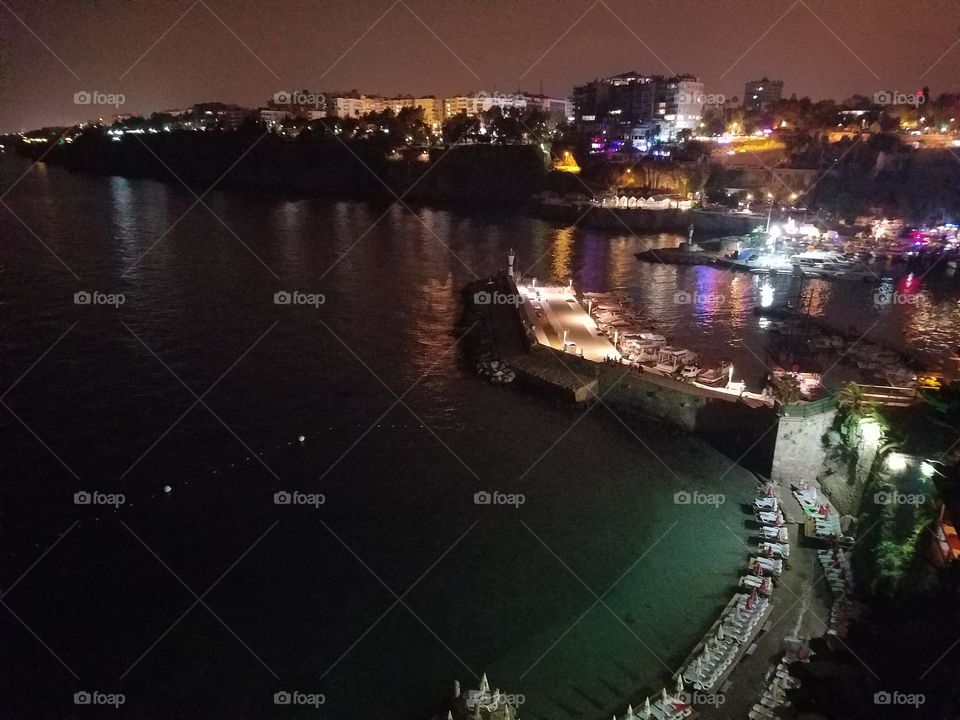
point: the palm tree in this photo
(786, 389)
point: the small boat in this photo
(689, 372)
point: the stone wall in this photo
(744, 434)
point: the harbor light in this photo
(896, 462)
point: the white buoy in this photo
(167, 489)
(301, 438)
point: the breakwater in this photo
(740, 429)
(618, 220)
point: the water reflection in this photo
(561, 269)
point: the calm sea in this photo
(383, 581)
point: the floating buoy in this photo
(167, 489)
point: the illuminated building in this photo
(761, 94)
(625, 106)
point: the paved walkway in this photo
(553, 309)
(801, 607)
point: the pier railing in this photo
(806, 409)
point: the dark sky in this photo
(820, 48)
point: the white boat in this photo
(828, 264)
(689, 372)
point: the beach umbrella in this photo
(679, 684)
(752, 599)
(663, 696)
(699, 668)
(646, 708)
(720, 633)
(770, 490)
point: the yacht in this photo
(828, 264)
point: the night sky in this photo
(244, 52)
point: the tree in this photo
(459, 128)
(786, 389)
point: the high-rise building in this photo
(615, 107)
(679, 104)
(761, 94)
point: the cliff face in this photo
(481, 174)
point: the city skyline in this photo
(180, 54)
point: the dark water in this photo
(206, 601)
